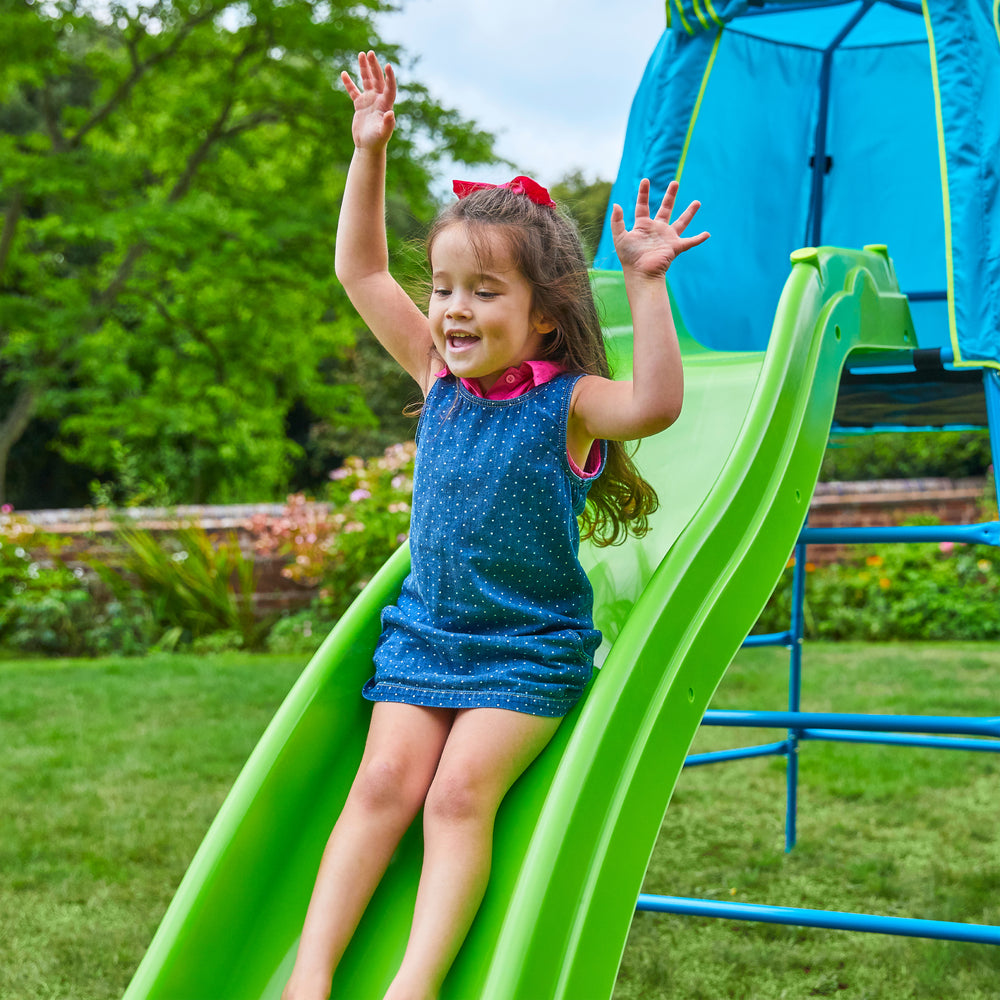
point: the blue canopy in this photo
(838, 122)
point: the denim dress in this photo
(496, 611)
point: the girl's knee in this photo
(389, 784)
(456, 796)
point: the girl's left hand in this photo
(653, 243)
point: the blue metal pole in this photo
(902, 360)
(740, 753)
(942, 724)
(906, 926)
(795, 693)
(769, 639)
(991, 386)
(814, 230)
(901, 740)
(987, 533)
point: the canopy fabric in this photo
(839, 122)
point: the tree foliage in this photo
(170, 177)
(911, 455)
(587, 202)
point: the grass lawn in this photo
(896, 831)
(111, 771)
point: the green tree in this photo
(587, 202)
(887, 455)
(170, 175)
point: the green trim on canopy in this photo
(946, 202)
(964, 43)
(697, 103)
(841, 122)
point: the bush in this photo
(301, 632)
(901, 591)
(914, 455)
(338, 546)
(193, 586)
(46, 607)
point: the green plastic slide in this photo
(735, 475)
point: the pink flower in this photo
(341, 473)
(7, 509)
(946, 547)
(360, 495)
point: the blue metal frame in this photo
(804, 722)
(939, 732)
(814, 230)
(991, 386)
(987, 533)
(906, 926)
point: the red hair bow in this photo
(532, 190)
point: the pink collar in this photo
(515, 381)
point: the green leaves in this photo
(191, 582)
(170, 179)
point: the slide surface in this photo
(735, 475)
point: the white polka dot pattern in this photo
(496, 611)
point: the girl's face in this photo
(481, 315)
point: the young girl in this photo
(492, 639)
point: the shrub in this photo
(33, 584)
(47, 607)
(916, 454)
(915, 590)
(300, 632)
(338, 546)
(193, 586)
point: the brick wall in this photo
(93, 530)
(891, 502)
(881, 502)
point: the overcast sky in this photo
(553, 79)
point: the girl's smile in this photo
(481, 311)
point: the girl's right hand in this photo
(374, 119)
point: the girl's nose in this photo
(459, 305)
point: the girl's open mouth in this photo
(458, 342)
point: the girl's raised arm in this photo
(651, 402)
(361, 259)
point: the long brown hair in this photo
(546, 249)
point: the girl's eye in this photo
(441, 292)
(483, 294)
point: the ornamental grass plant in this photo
(194, 585)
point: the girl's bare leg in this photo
(401, 755)
(486, 751)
